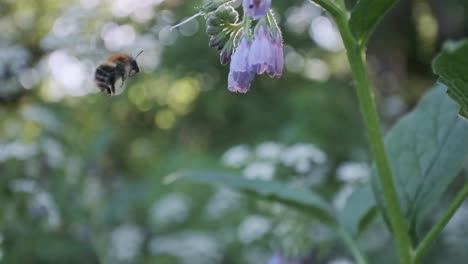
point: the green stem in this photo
(330, 7)
(351, 245)
(439, 226)
(341, 4)
(357, 60)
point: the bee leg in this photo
(111, 86)
(120, 73)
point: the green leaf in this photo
(426, 150)
(359, 210)
(304, 200)
(365, 16)
(451, 65)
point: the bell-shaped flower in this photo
(256, 9)
(240, 74)
(277, 71)
(266, 53)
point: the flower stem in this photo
(357, 60)
(439, 226)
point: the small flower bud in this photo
(225, 55)
(212, 21)
(212, 30)
(213, 42)
(218, 41)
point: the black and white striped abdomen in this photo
(105, 78)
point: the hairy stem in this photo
(439, 226)
(357, 60)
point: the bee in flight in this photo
(114, 69)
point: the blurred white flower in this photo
(124, 8)
(89, 4)
(340, 199)
(23, 185)
(293, 60)
(190, 247)
(68, 76)
(223, 200)
(302, 156)
(172, 208)
(117, 37)
(126, 242)
(41, 115)
(152, 49)
(260, 170)
(269, 150)
(353, 171)
(92, 192)
(43, 202)
(298, 18)
(252, 228)
(236, 156)
(325, 34)
(12, 59)
(17, 149)
(53, 152)
(341, 260)
(167, 36)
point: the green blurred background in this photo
(82, 174)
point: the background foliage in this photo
(84, 177)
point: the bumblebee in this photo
(116, 68)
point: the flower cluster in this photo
(259, 53)
(252, 47)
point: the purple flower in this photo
(240, 74)
(279, 259)
(276, 259)
(256, 8)
(266, 54)
(279, 56)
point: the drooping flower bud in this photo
(240, 74)
(256, 9)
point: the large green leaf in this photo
(426, 150)
(301, 199)
(359, 210)
(451, 66)
(365, 16)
